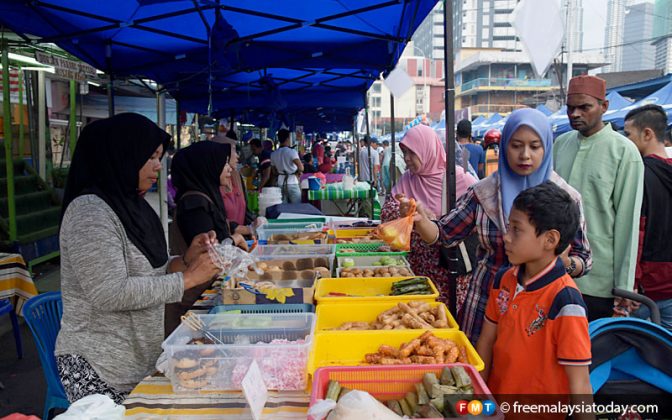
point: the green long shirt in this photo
(608, 171)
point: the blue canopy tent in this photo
(479, 130)
(223, 58)
(662, 97)
(543, 108)
(155, 37)
(478, 120)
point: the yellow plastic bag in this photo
(397, 233)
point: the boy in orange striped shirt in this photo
(535, 336)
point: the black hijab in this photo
(198, 168)
(108, 157)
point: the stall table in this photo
(15, 281)
(353, 197)
(154, 398)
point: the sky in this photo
(594, 23)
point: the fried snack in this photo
(408, 348)
(385, 350)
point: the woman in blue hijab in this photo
(525, 161)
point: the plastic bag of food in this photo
(397, 232)
(360, 405)
(231, 260)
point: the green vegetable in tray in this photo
(408, 282)
(333, 391)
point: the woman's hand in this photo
(259, 221)
(243, 230)
(200, 270)
(239, 241)
(200, 245)
(421, 212)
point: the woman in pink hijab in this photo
(233, 194)
(424, 180)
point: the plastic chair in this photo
(6, 307)
(43, 315)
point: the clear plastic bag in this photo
(231, 260)
(397, 233)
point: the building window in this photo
(376, 87)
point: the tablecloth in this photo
(154, 398)
(339, 194)
(15, 280)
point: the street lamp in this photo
(424, 78)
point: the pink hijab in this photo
(427, 185)
(233, 195)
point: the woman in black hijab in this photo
(197, 173)
(116, 275)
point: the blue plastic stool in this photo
(43, 315)
(7, 308)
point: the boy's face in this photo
(521, 242)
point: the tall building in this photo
(428, 38)
(577, 18)
(613, 35)
(616, 45)
(662, 32)
(637, 51)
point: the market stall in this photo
(323, 303)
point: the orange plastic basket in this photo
(388, 382)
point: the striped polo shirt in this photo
(540, 328)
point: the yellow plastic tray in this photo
(349, 348)
(353, 233)
(330, 316)
(366, 289)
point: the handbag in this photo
(466, 250)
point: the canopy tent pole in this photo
(7, 138)
(21, 129)
(355, 148)
(110, 95)
(393, 163)
(368, 135)
(163, 175)
(450, 140)
(73, 117)
(42, 125)
(178, 127)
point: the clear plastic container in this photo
(275, 251)
(368, 261)
(280, 343)
(292, 267)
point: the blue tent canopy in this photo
(662, 97)
(478, 120)
(273, 56)
(479, 130)
(543, 108)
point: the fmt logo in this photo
(475, 407)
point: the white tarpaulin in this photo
(540, 28)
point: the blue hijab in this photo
(512, 184)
